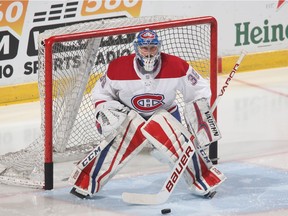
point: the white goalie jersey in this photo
(147, 93)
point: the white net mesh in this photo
(77, 65)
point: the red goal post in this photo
(71, 60)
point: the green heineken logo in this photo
(248, 34)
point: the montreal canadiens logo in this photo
(147, 102)
(147, 35)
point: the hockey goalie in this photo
(135, 104)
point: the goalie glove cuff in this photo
(107, 121)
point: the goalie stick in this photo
(164, 194)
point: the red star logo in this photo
(280, 3)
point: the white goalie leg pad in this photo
(201, 122)
(126, 145)
(108, 121)
(168, 135)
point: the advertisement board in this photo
(256, 26)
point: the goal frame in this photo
(49, 42)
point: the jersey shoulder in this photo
(122, 68)
(172, 66)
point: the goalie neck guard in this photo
(147, 48)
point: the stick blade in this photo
(146, 199)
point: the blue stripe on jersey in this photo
(176, 114)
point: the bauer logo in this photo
(96, 7)
(177, 173)
(147, 102)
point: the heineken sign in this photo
(248, 34)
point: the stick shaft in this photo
(229, 78)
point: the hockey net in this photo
(71, 60)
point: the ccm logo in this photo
(91, 156)
(175, 175)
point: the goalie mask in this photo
(147, 48)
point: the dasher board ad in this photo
(255, 26)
